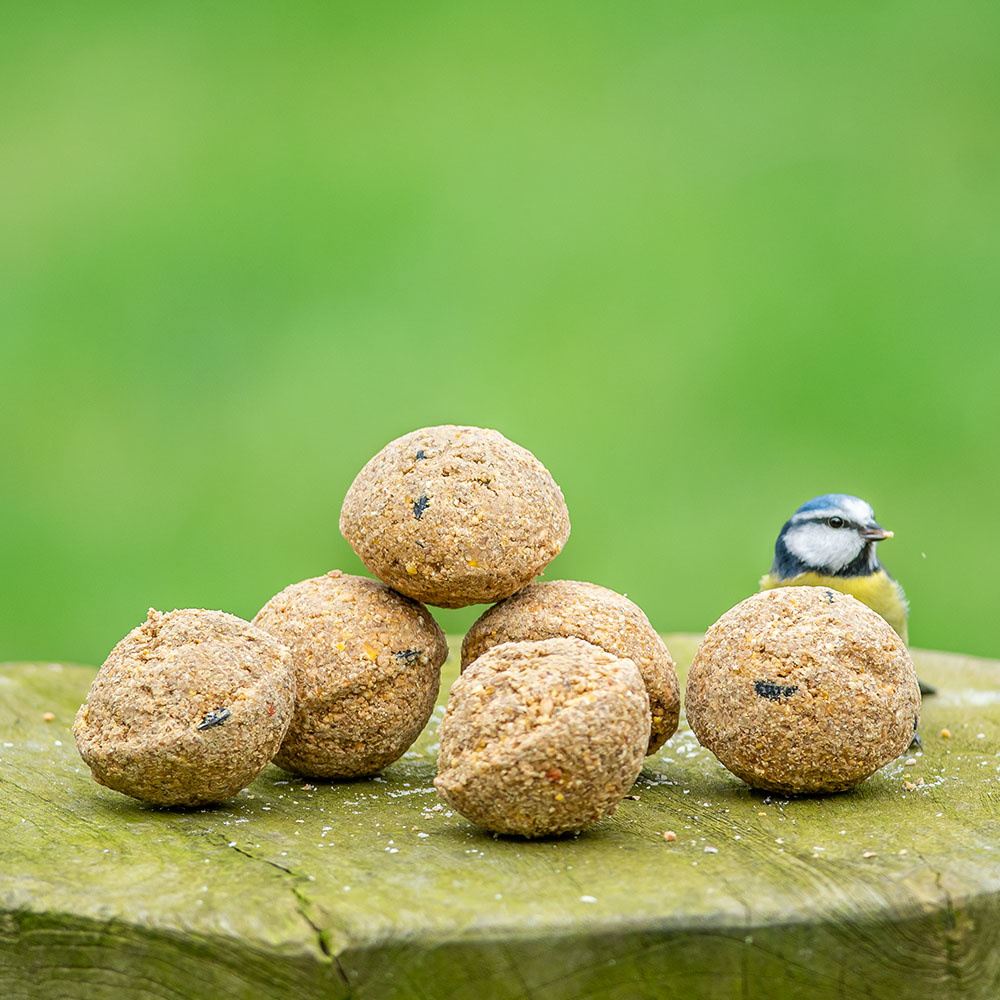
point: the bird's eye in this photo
(836, 522)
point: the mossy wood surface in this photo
(373, 890)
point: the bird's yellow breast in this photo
(878, 590)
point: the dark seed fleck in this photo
(775, 692)
(829, 597)
(408, 655)
(215, 718)
(420, 506)
(420, 454)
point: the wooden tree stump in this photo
(373, 889)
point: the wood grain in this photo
(373, 890)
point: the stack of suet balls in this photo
(338, 674)
(565, 685)
(445, 515)
(545, 731)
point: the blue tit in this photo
(830, 542)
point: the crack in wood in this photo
(302, 905)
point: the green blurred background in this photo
(705, 260)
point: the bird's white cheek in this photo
(823, 547)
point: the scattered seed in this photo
(773, 691)
(669, 835)
(49, 717)
(215, 718)
(945, 734)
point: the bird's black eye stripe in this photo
(836, 522)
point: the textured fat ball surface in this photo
(187, 709)
(455, 515)
(367, 664)
(803, 690)
(569, 608)
(542, 738)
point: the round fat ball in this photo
(542, 738)
(803, 690)
(598, 615)
(453, 516)
(367, 667)
(187, 709)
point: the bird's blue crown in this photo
(827, 501)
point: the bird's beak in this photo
(875, 533)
